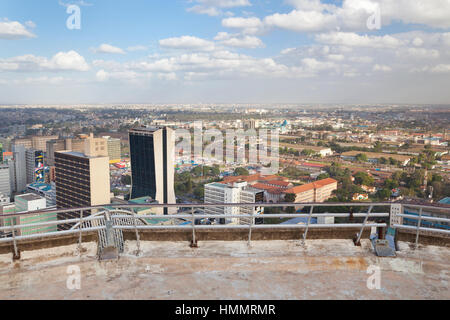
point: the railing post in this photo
(358, 239)
(138, 243)
(80, 228)
(418, 228)
(194, 240)
(307, 224)
(250, 229)
(16, 255)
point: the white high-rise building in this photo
(5, 183)
(237, 192)
(19, 170)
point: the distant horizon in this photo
(231, 104)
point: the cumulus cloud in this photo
(233, 40)
(13, 30)
(352, 39)
(214, 7)
(62, 61)
(250, 25)
(352, 15)
(187, 43)
(137, 48)
(380, 67)
(107, 48)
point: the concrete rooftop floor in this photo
(322, 269)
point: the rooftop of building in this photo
(311, 186)
(40, 186)
(79, 154)
(147, 129)
(276, 269)
(29, 197)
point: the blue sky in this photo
(249, 51)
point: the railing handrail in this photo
(205, 205)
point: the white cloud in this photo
(210, 11)
(364, 59)
(62, 61)
(167, 76)
(441, 68)
(418, 53)
(380, 67)
(251, 25)
(213, 7)
(417, 42)
(336, 57)
(351, 39)
(71, 60)
(137, 48)
(107, 48)
(187, 43)
(30, 24)
(301, 21)
(102, 75)
(13, 30)
(233, 40)
(352, 15)
(287, 50)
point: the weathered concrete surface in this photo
(323, 269)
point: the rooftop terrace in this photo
(277, 269)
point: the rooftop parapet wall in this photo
(170, 235)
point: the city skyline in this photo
(212, 51)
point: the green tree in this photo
(383, 194)
(362, 157)
(199, 191)
(126, 179)
(241, 172)
(363, 178)
(323, 176)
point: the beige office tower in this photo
(40, 142)
(114, 149)
(82, 179)
(152, 152)
(76, 145)
(35, 142)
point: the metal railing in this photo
(124, 218)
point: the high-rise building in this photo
(152, 152)
(81, 181)
(234, 192)
(114, 149)
(5, 183)
(18, 169)
(69, 144)
(35, 166)
(35, 142)
(82, 178)
(26, 142)
(40, 142)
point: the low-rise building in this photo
(234, 192)
(32, 202)
(317, 191)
